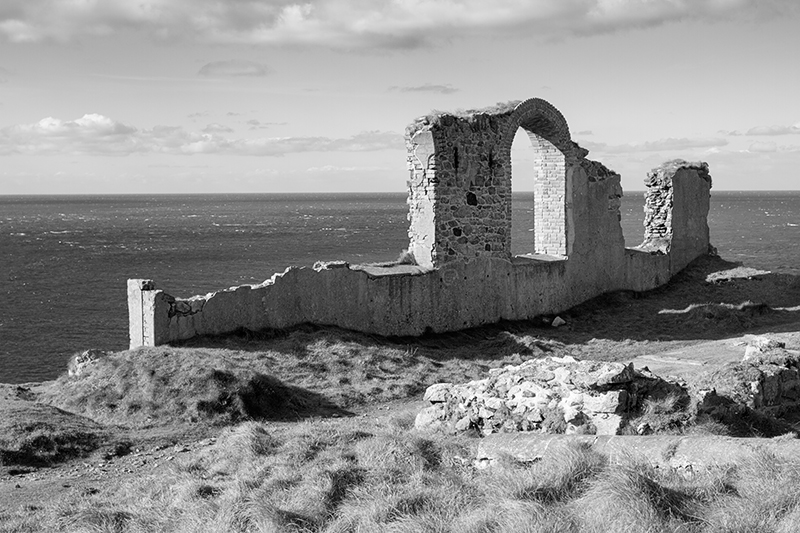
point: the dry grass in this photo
(282, 462)
(307, 372)
(352, 475)
(41, 435)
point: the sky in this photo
(210, 96)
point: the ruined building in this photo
(460, 239)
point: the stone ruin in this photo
(463, 273)
(550, 395)
(563, 395)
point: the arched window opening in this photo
(538, 200)
(523, 176)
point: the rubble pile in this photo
(551, 395)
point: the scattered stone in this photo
(756, 346)
(80, 362)
(765, 381)
(558, 321)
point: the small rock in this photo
(438, 392)
(558, 321)
(80, 362)
(463, 424)
(609, 402)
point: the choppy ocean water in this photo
(64, 260)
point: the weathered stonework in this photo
(669, 226)
(459, 236)
(460, 185)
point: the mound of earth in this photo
(34, 434)
(157, 387)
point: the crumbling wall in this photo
(460, 181)
(676, 211)
(467, 188)
(459, 234)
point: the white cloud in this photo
(217, 128)
(426, 88)
(662, 145)
(99, 135)
(762, 146)
(774, 130)
(356, 23)
(256, 124)
(234, 67)
(334, 168)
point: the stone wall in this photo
(460, 181)
(676, 212)
(459, 234)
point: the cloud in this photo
(359, 24)
(4, 75)
(258, 125)
(334, 168)
(426, 88)
(362, 142)
(584, 132)
(217, 128)
(198, 114)
(90, 133)
(99, 135)
(775, 130)
(234, 67)
(763, 147)
(662, 145)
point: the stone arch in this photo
(549, 134)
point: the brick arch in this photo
(540, 117)
(549, 134)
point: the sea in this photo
(64, 260)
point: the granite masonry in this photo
(460, 271)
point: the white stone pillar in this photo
(141, 312)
